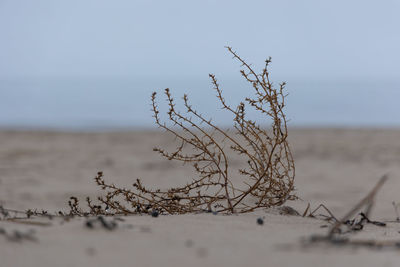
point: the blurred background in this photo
(92, 65)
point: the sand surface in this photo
(335, 167)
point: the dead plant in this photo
(268, 179)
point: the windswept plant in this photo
(267, 180)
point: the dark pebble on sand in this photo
(89, 224)
(154, 213)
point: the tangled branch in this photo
(268, 179)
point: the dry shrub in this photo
(267, 179)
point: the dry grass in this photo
(266, 181)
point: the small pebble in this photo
(89, 224)
(154, 213)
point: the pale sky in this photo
(84, 63)
(306, 39)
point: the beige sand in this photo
(335, 167)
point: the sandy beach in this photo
(334, 167)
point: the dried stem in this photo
(268, 179)
(367, 200)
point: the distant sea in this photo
(91, 104)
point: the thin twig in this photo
(365, 201)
